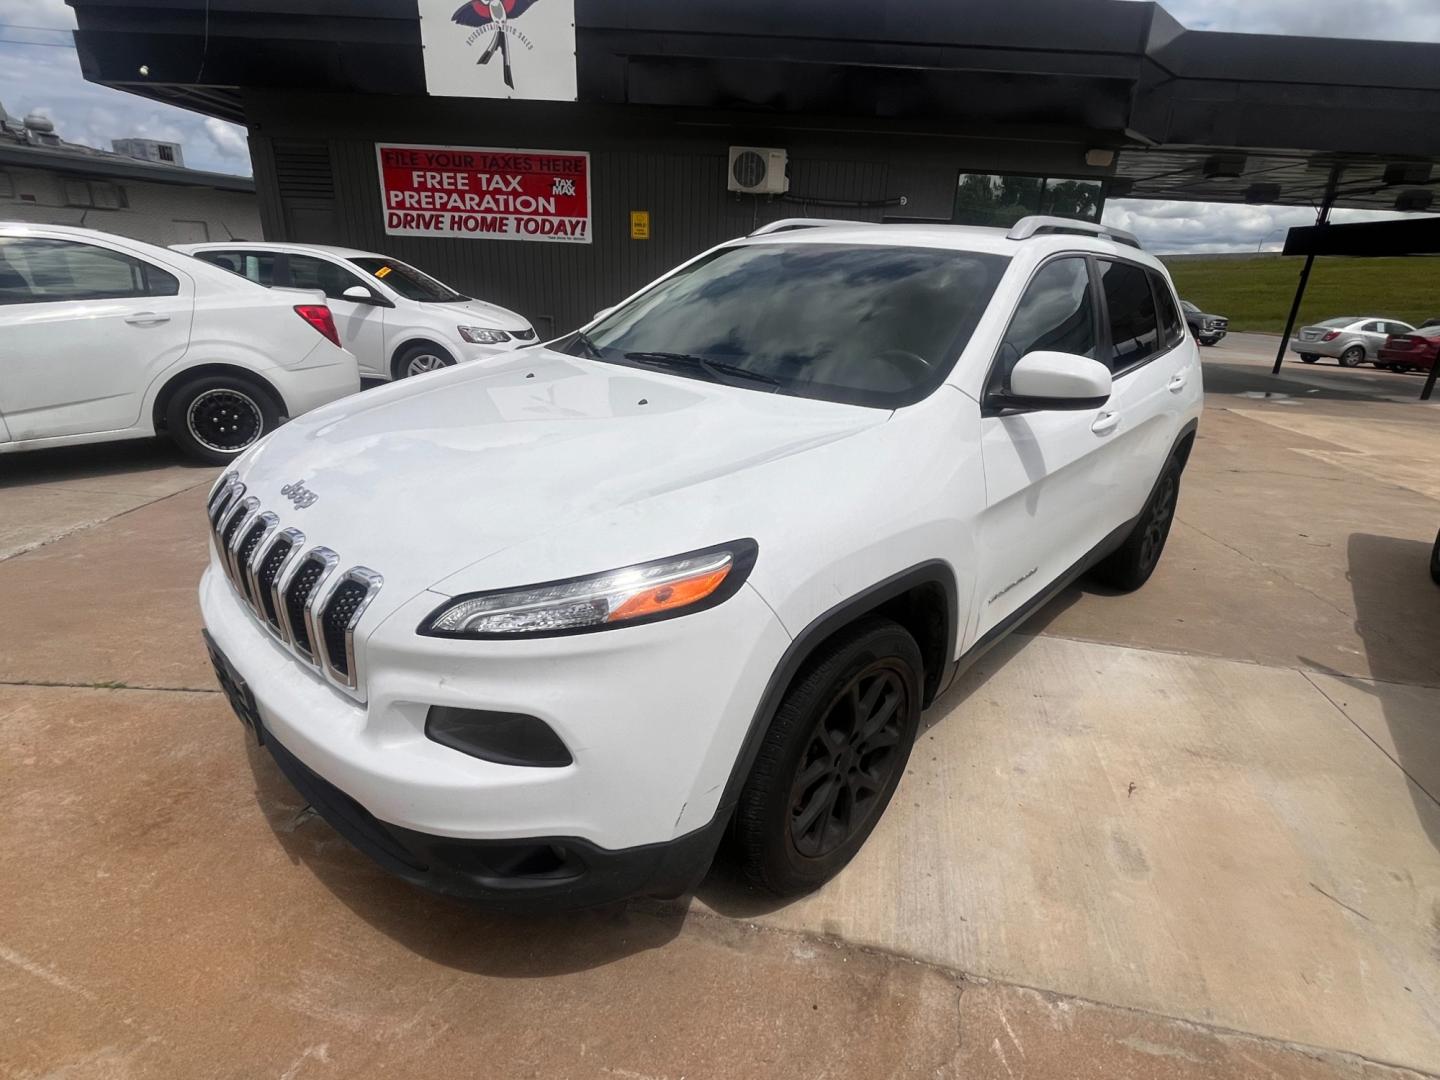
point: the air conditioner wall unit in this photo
(757, 170)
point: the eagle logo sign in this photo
(496, 14)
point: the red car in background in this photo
(1411, 352)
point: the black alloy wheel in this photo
(848, 760)
(831, 759)
(1158, 517)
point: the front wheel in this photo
(832, 758)
(215, 418)
(1132, 563)
(1352, 357)
(418, 359)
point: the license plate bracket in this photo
(236, 691)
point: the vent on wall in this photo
(302, 169)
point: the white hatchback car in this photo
(103, 337)
(397, 320)
(538, 632)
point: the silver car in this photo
(1353, 340)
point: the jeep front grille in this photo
(294, 592)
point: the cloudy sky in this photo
(39, 72)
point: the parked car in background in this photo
(1350, 339)
(397, 320)
(556, 623)
(1416, 351)
(103, 337)
(1206, 329)
(1429, 322)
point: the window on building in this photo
(1134, 330)
(100, 194)
(1000, 200)
(34, 270)
(1056, 314)
(7, 185)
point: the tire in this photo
(817, 762)
(419, 358)
(1132, 563)
(1435, 561)
(1353, 356)
(1308, 358)
(215, 418)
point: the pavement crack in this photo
(110, 686)
(1347, 907)
(1378, 746)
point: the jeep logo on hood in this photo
(299, 494)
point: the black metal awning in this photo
(1187, 114)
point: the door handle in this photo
(1176, 383)
(147, 318)
(1105, 423)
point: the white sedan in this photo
(397, 320)
(103, 338)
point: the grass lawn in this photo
(1255, 294)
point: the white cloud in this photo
(43, 78)
(1171, 227)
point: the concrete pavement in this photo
(1261, 902)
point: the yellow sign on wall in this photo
(639, 224)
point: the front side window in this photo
(308, 272)
(864, 324)
(36, 271)
(409, 282)
(1056, 314)
(1134, 330)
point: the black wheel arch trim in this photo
(934, 572)
(174, 382)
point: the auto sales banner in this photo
(499, 48)
(485, 193)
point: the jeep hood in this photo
(421, 478)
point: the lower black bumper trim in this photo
(525, 875)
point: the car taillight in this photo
(1331, 336)
(318, 316)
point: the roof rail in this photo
(791, 223)
(1039, 224)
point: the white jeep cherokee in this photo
(539, 632)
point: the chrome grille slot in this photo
(306, 578)
(250, 541)
(340, 614)
(267, 576)
(231, 532)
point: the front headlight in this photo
(643, 593)
(481, 335)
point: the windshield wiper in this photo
(716, 369)
(591, 350)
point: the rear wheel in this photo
(1308, 358)
(1435, 560)
(1131, 565)
(215, 418)
(418, 359)
(832, 758)
(1352, 357)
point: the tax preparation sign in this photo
(485, 193)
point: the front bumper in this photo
(1212, 333)
(654, 717)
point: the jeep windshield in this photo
(872, 325)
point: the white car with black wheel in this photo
(540, 632)
(103, 338)
(397, 320)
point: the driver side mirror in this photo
(362, 295)
(1055, 380)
